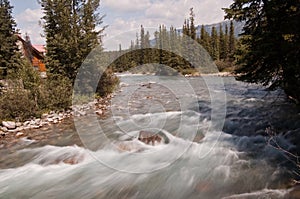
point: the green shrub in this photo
(16, 103)
(107, 84)
(55, 93)
(225, 65)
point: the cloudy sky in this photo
(124, 17)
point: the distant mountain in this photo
(238, 27)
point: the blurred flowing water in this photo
(198, 161)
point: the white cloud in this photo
(29, 15)
(130, 14)
(126, 5)
(125, 15)
(28, 22)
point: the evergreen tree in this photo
(147, 40)
(148, 52)
(231, 39)
(143, 45)
(226, 41)
(9, 52)
(70, 29)
(137, 42)
(271, 39)
(214, 44)
(192, 32)
(205, 40)
(223, 45)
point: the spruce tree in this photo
(70, 30)
(223, 45)
(226, 42)
(271, 37)
(9, 52)
(214, 44)
(205, 40)
(231, 39)
(143, 45)
(192, 32)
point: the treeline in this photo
(220, 44)
(71, 34)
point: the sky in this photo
(124, 17)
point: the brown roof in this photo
(39, 47)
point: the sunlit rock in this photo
(9, 124)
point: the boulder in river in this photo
(149, 137)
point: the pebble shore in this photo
(12, 131)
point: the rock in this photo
(45, 115)
(26, 123)
(55, 116)
(82, 113)
(20, 128)
(99, 112)
(44, 123)
(4, 129)
(18, 124)
(147, 137)
(27, 127)
(19, 134)
(50, 119)
(9, 124)
(2, 134)
(35, 126)
(12, 131)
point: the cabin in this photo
(34, 53)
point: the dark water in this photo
(217, 145)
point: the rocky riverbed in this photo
(18, 133)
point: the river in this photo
(216, 145)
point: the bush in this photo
(27, 95)
(107, 84)
(19, 98)
(55, 93)
(16, 104)
(225, 65)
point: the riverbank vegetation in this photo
(71, 32)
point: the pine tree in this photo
(70, 29)
(214, 44)
(142, 51)
(271, 37)
(231, 39)
(205, 40)
(9, 52)
(226, 42)
(192, 32)
(222, 46)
